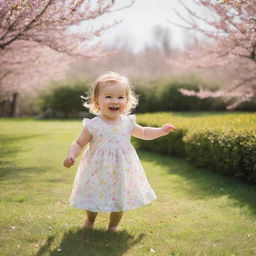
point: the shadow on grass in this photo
(9, 149)
(95, 242)
(203, 183)
(9, 144)
(19, 174)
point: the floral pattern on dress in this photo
(110, 177)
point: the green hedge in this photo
(230, 153)
(224, 150)
(163, 95)
(160, 94)
(172, 144)
(64, 97)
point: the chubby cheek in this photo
(122, 105)
(105, 103)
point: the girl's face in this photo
(112, 100)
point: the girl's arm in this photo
(150, 133)
(77, 146)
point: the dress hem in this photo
(124, 209)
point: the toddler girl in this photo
(110, 177)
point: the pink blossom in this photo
(234, 34)
(38, 40)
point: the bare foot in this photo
(88, 225)
(114, 228)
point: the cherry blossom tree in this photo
(32, 32)
(29, 69)
(232, 29)
(48, 22)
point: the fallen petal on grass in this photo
(152, 250)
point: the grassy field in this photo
(196, 213)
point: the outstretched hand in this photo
(69, 161)
(167, 128)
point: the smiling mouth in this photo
(113, 108)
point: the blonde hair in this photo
(91, 102)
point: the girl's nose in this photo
(115, 100)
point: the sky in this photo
(139, 20)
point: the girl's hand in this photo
(69, 161)
(167, 128)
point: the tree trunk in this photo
(4, 108)
(13, 104)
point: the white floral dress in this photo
(110, 177)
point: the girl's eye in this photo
(108, 97)
(121, 97)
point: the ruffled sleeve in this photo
(88, 123)
(132, 121)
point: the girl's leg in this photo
(91, 216)
(114, 220)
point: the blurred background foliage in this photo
(63, 99)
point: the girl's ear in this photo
(96, 101)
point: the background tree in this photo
(162, 37)
(232, 29)
(28, 70)
(48, 22)
(38, 29)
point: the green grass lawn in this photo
(196, 213)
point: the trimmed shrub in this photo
(229, 153)
(208, 141)
(64, 98)
(172, 144)
(248, 105)
(163, 95)
(148, 99)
